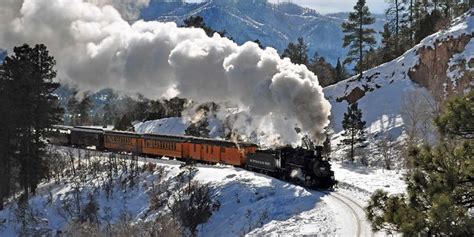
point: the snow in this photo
(248, 201)
(370, 179)
(177, 126)
(171, 126)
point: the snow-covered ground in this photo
(369, 179)
(250, 202)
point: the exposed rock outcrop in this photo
(433, 68)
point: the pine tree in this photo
(124, 123)
(297, 52)
(324, 70)
(358, 37)
(353, 128)
(198, 22)
(71, 107)
(83, 111)
(198, 129)
(340, 71)
(29, 75)
(440, 185)
(5, 140)
(388, 50)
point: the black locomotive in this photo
(298, 165)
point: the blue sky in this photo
(328, 6)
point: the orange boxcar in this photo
(123, 141)
(220, 151)
(164, 145)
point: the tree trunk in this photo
(397, 41)
(360, 45)
(352, 143)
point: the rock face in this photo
(436, 67)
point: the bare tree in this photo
(386, 147)
(418, 110)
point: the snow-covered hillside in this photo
(177, 126)
(248, 200)
(274, 25)
(382, 92)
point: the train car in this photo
(87, 137)
(220, 151)
(60, 135)
(123, 141)
(165, 145)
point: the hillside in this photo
(274, 25)
(440, 66)
(247, 200)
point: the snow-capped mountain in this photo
(274, 25)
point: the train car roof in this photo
(63, 127)
(200, 140)
(180, 138)
(86, 129)
(122, 133)
(221, 142)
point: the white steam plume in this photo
(96, 48)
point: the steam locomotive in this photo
(298, 165)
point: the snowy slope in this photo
(381, 91)
(247, 202)
(177, 126)
(274, 25)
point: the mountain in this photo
(274, 25)
(440, 66)
(3, 55)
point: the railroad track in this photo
(362, 227)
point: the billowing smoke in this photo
(96, 48)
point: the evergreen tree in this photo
(358, 37)
(198, 22)
(83, 111)
(259, 43)
(457, 121)
(198, 129)
(28, 75)
(124, 123)
(297, 52)
(324, 70)
(440, 185)
(388, 50)
(396, 19)
(341, 73)
(353, 128)
(71, 107)
(5, 140)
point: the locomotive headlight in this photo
(322, 168)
